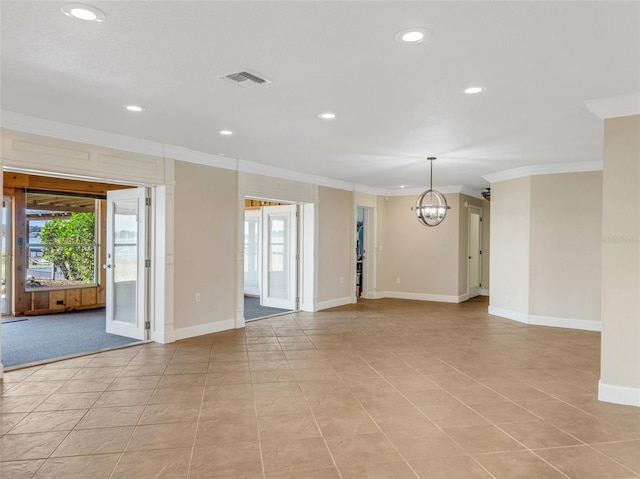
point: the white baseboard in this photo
(463, 297)
(508, 314)
(374, 295)
(162, 337)
(618, 394)
(484, 292)
(332, 303)
(201, 329)
(308, 307)
(569, 323)
(440, 298)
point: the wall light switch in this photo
(197, 297)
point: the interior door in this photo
(279, 264)
(7, 255)
(126, 262)
(475, 256)
(252, 247)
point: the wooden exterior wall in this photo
(51, 300)
(257, 204)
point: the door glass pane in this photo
(5, 265)
(125, 260)
(278, 251)
(251, 245)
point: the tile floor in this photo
(382, 389)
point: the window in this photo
(61, 245)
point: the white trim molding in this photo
(484, 292)
(534, 320)
(202, 329)
(445, 189)
(550, 169)
(438, 298)
(615, 106)
(332, 303)
(66, 131)
(509, 314)
(618, 394)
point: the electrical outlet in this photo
(197, 297)
(398, 280)
(342, 279)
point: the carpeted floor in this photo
(37, 338)
(253, 310)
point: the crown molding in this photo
(193, 156)
(615, 106)
(66, 131)
(551, 169)
(416, 190)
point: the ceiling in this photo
(395, 103)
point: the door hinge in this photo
(480, 285)
(147, 325)
(147, 263)
(481, 219)
(147, 201)
(480, 251)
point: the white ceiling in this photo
(395, 103)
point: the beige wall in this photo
(545, 249)
(424, 259)
(486, 246)
(335, 246)
(620, 377)
(565, 241)
(510, 220)
(205, 244)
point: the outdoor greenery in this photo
(73, 253)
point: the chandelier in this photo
(431, 206)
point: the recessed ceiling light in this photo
(83, 12)
(135, 108)
(413, 35)
(472, 90)
(327, 116)
(226, 132)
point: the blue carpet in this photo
(51, 336)
(253, 310)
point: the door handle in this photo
(106, 266)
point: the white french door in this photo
(252, 251)
(279, 264)
(7, 255)
(126, 263)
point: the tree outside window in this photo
(62, 245)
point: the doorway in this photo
(360, 250)
(57, 293)
(271, 259)
(475, 251)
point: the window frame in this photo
(95, 244)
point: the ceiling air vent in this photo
(245, 79)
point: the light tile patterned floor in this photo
(382, 389)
